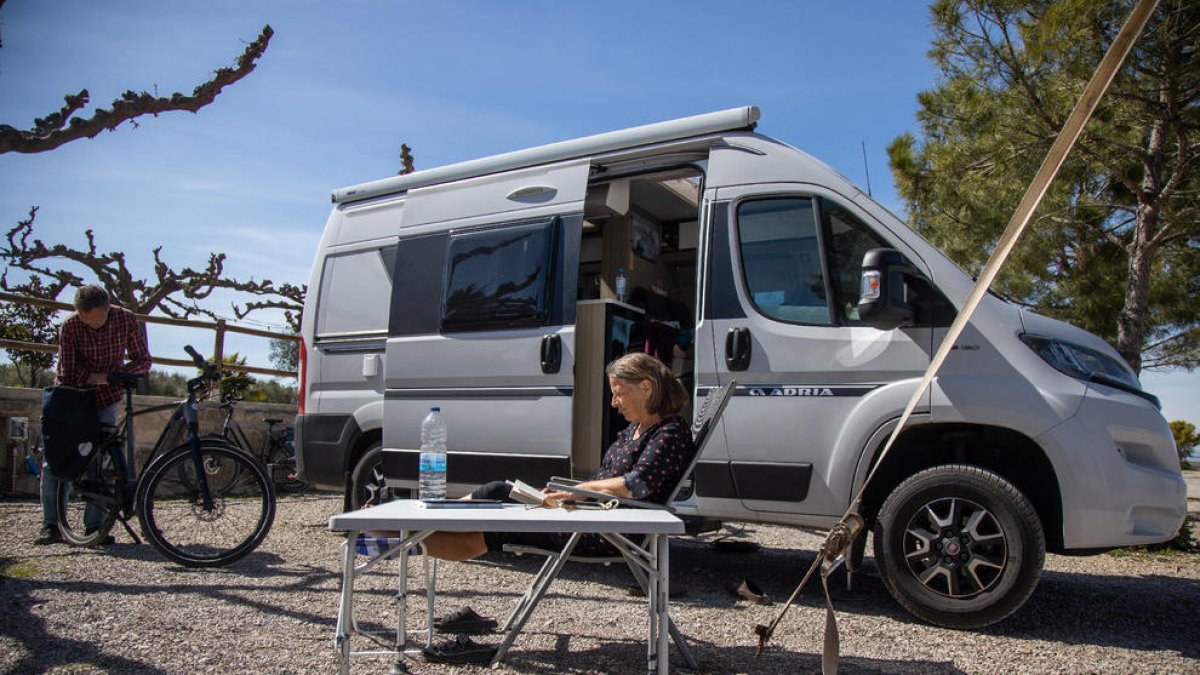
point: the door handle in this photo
(737, 348)
(533, 193)
(551, 354)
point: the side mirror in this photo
(883, 302)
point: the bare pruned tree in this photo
(406, 160)
(175, 293)
(63, 126)
(288, 297)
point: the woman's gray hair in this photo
(668, 396)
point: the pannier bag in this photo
(70, 429)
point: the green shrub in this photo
(1184, 541)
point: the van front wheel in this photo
(959, 546)
(367, 487)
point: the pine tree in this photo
(1113, 247)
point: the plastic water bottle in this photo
(431, 480)
(620, 284)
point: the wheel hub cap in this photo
(955, 547)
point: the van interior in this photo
(647, 226)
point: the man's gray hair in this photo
(90, 297)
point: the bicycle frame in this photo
(232, 431)
(274, 438)
(184, 417)
(173, 491)
(190, 407)
(176, 424)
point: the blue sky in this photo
(343, 84)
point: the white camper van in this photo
(487, 288)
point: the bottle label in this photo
(432, 461)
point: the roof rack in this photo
(698, 125)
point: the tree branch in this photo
(162, 293)
(406, 159)
(60, 127)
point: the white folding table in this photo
(648, 560)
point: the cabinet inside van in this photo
(646, 227)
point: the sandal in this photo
(459, 650)
(464, 620)
(748, 590)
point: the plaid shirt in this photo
(83, 350)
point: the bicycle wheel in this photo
(282, 465)
(87, 506)
(178, 523)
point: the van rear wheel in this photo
(959, 546)
(367, 486)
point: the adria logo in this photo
(791, 391)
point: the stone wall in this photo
(18, 402)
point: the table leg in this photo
(430, 592)
(652, 606)
(402, 599)
(534, 595)
(643, 579)
(663, 609)
(346, 605)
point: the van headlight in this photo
(1086, 364)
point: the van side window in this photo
(355, 288)
(499, 277)
(846, 241)
(781, 259)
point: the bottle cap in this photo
(435, 409)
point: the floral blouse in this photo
(652, 464)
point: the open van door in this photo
(782, 267)
(483, 325)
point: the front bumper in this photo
(1118, 473)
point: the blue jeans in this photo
(93, 515)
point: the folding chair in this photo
(379, 550)
(702, 425)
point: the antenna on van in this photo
(866, 168)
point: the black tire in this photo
(282, 465)
(91, 496)
(959, 546)
(367, 487)
(176, 521)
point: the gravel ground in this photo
(125, 609)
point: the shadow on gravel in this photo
(1125, 612)
(1136, 613)
(45, 651)
(629, 656)
(229, 584)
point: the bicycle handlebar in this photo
(209, 371)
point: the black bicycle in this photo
(202, 503)
(276, 451)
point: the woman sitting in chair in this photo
(646, 461)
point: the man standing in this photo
(94, 341)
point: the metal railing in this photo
(219, 327)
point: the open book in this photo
(572, 486)
(526, 493)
